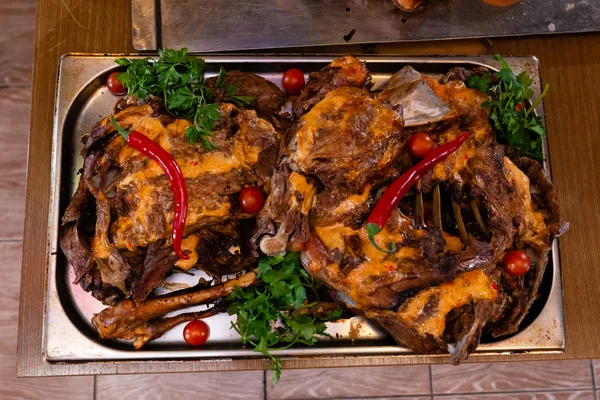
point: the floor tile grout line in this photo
(400, 396)
(518, 392)
(592, 368)
(430, 381)
(16, 85)
(264, 384)
(11, 240)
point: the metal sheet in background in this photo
(219, 25)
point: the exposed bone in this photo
(148, 331)
(462, 230)
(119, 321)
(437, 208)
(420, 104)
(479, 220)
(419, 211)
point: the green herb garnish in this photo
(515, 124)
(276, 315)
(179, 79)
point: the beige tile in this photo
(568, 395)
(385, 398)
(596, 366)
(509, 377)
(17, 19)
(14, 131)
(209, 385)
(350, 382)
(71, 388)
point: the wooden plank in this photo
(512, 377)
(17, 19)
(350, 382)
(76, 388)
(208, 385)
(568, 395)
(571, 64)
(14, 130)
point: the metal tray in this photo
(219, 25)
(82, 100)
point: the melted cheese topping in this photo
(319, 122)
(376, 266)
(300, 185)
(465, 289)
(133, 229)
(353, 201)
(189, 243)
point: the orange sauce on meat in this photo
(501, 3)
(465, 289)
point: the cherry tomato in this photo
(196, 332)
(251, 199)
(114, 85)
(519, 106)
(516, 263)
(293, 80)
(420, 144)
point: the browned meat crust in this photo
(128, 201)
(343, 72)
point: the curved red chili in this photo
(394, 193)
(150, 148)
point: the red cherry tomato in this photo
(196, 332)
(114, 85)
(519, 106)
(293, 80)
(420, 144)
(251, 199)
(516, 263)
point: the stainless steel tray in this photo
(82, 100)
(219, 25)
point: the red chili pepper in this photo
(150, 148)
(394, 193)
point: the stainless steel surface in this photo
(218, 25)
(82, 100)
(144, 24)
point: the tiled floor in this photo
(560, 380)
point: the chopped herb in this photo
(273, 316)
(179, 79)
(515, 125)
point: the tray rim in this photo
(268, 58)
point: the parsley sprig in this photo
(179, 79)
(277, 315)
(515, 124)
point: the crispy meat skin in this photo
(268, 97)
(338, 251)
(128, 199)
(345, 71)
(435, 294)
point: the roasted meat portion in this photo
(128, 200)
(444, 286)
(345, 144)
(345, 71)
